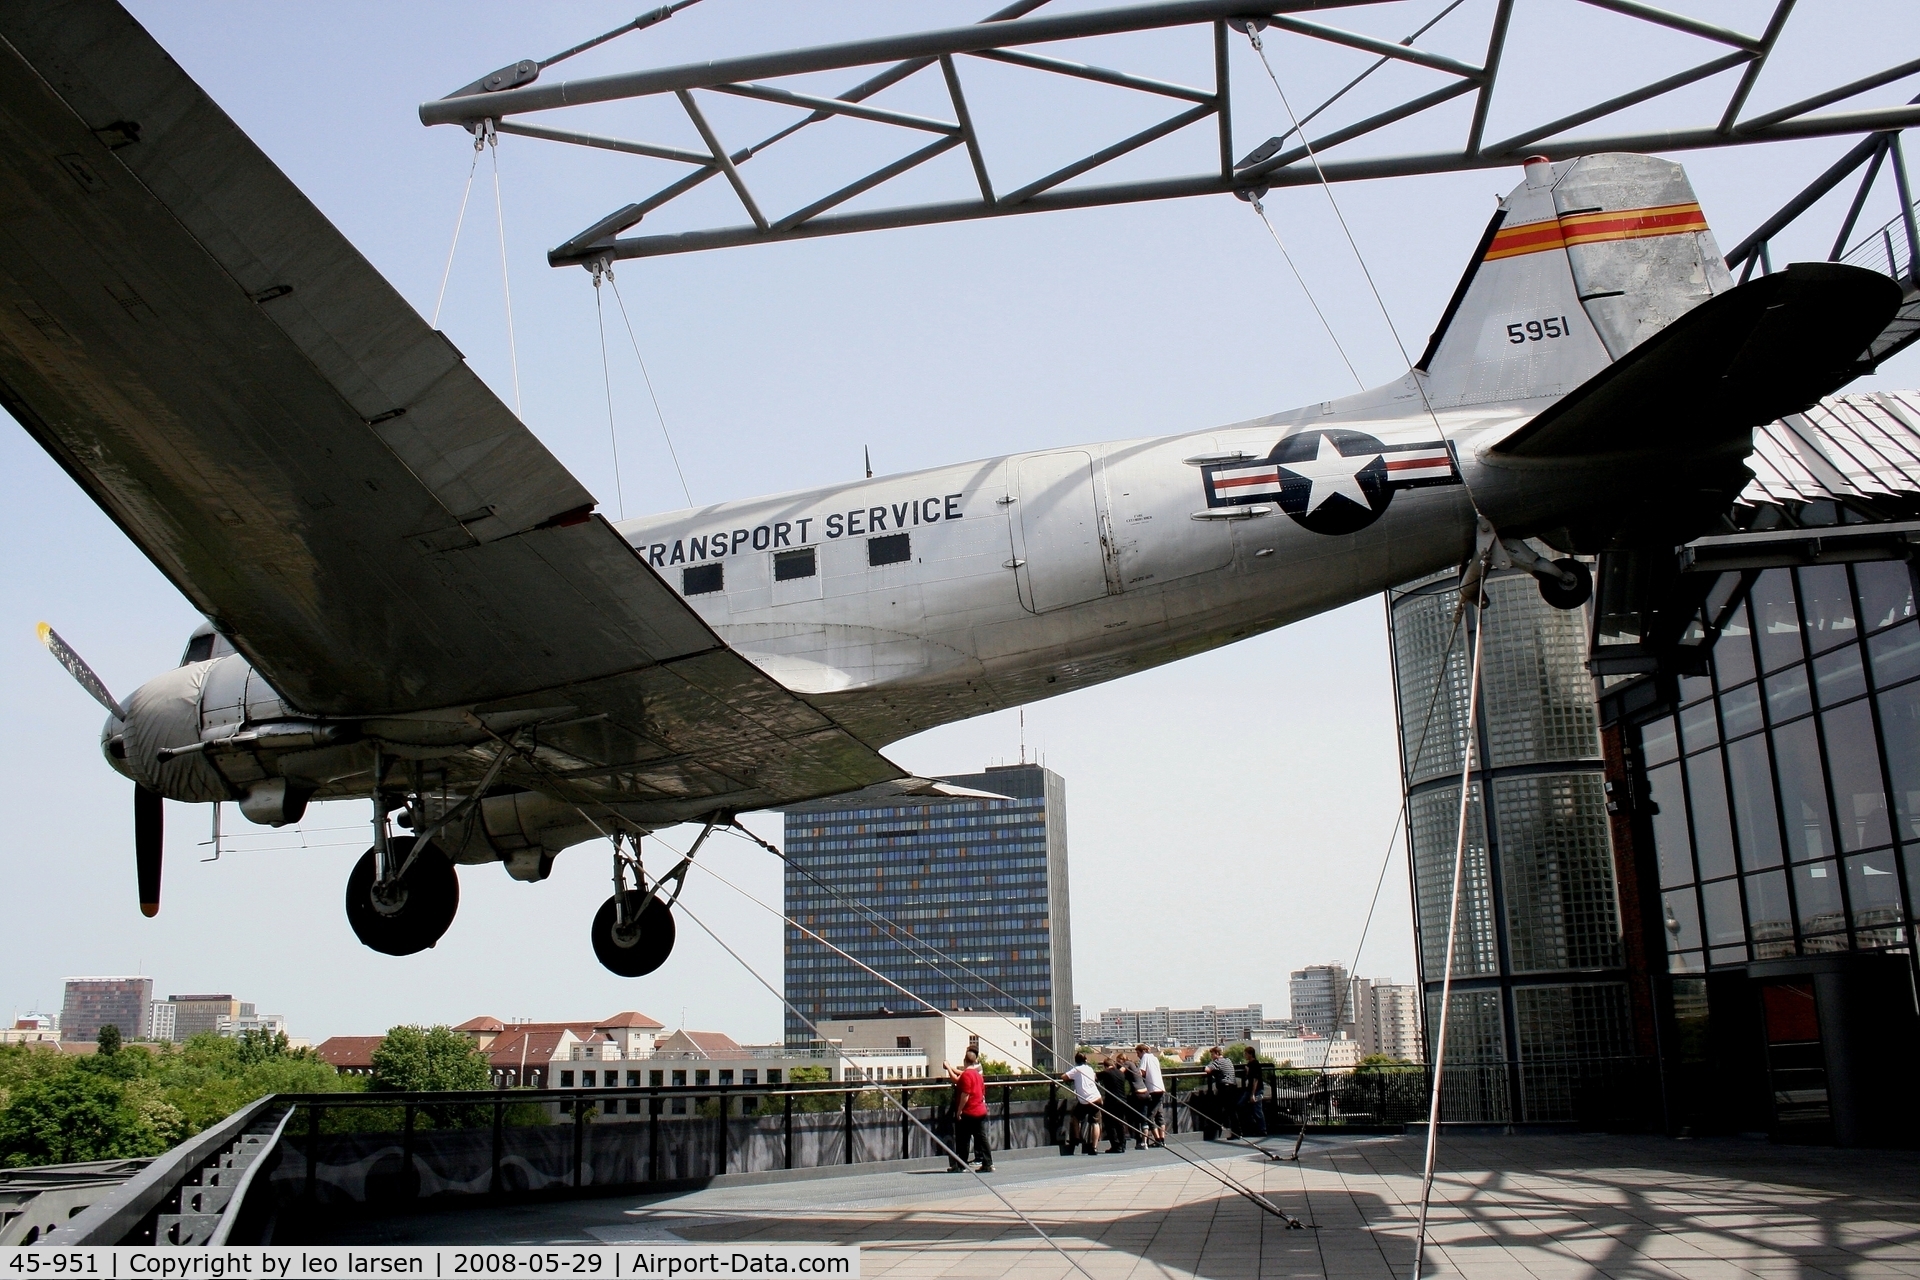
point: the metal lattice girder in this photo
(1014, 35)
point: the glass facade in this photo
(1785, 787)
(1540, 1010)
(970, 897)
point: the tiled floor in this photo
(1504, 1208)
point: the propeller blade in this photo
(148, 827)
(77, 668)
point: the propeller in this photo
(149, 824)
(77, 668)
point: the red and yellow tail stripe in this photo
(1592, 228)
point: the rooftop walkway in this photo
(1532, 1207)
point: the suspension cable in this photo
(1413, 769)
(641, 361)
(1253, 36)
(1207, 1167)
(459, 221)
(899, 1106)
(606, 380)
(506, 285)
(1261, 209)
(1476, 641)
(899, 935)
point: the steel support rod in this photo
(854, 53)
(1372, 44)
(1679, 22)
(1814, 191)
(1100, 75)
(720, 157)
(834, 106)
(1745, 87)
(1874, 120)
(1860, 198)
(959, 99)
(1496, 47)
(1601, 109)
(603, 142)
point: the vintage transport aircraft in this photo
(412, 602)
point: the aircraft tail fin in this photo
(1585, 260)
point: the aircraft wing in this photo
(310, 463)
(1770, 347)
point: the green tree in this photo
(419, 1059)
(108, 1040)
(76, 1115)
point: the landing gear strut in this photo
(1565, 583)
(633, 932)
(403, 892)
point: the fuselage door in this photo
(1058, 518)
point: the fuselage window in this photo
(702, 578)
(788, 565)
(895, 548)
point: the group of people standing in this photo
(1123, 1096)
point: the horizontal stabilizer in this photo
(1770, 347)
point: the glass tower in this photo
(968, 895)
(1541, 1023)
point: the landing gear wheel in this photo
(1564, 597)
(409, 915)
(636, 951)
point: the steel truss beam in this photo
(1008, 37)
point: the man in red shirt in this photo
(969, 1115)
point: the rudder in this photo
(1584, 260)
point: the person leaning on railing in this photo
(1152, 1099)
(969, 1115)
(1223, 1094)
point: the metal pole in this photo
(906, 1123)
(720, 1133)
(654, 1107)
(849, 1126)
(1906, 208)
(1006, 1117)
(313, 1151)
(786, 1126)
(407, 1178)
(579, 1136)
(499, 1142)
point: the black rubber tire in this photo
(650, 947)
(429, 897)
(1569, 597)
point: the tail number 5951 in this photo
(1539, 330)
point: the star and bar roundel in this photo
(1331, 480)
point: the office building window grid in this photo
(1787, 786)
(1534, 679)
(969, 881)
(1562, 911)
(1538, 892)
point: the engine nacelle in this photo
(523, 829)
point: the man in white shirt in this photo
(1085, 1130)
(1153, 1128)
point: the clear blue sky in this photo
(1229, 813)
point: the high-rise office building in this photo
(1540, 1019)
(1386, 1019)
(969, 903)
(92, 1003)
(1319, 1000)
(196, 1014)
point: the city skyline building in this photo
(1540, 1019)
(1319, 999)
(92, 1003)
(970, 902)
(1386, 1019)
(1161, 1025)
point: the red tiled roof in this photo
(540, 1042)
(482, 1024)
(348, 1051)
(629, 1019)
